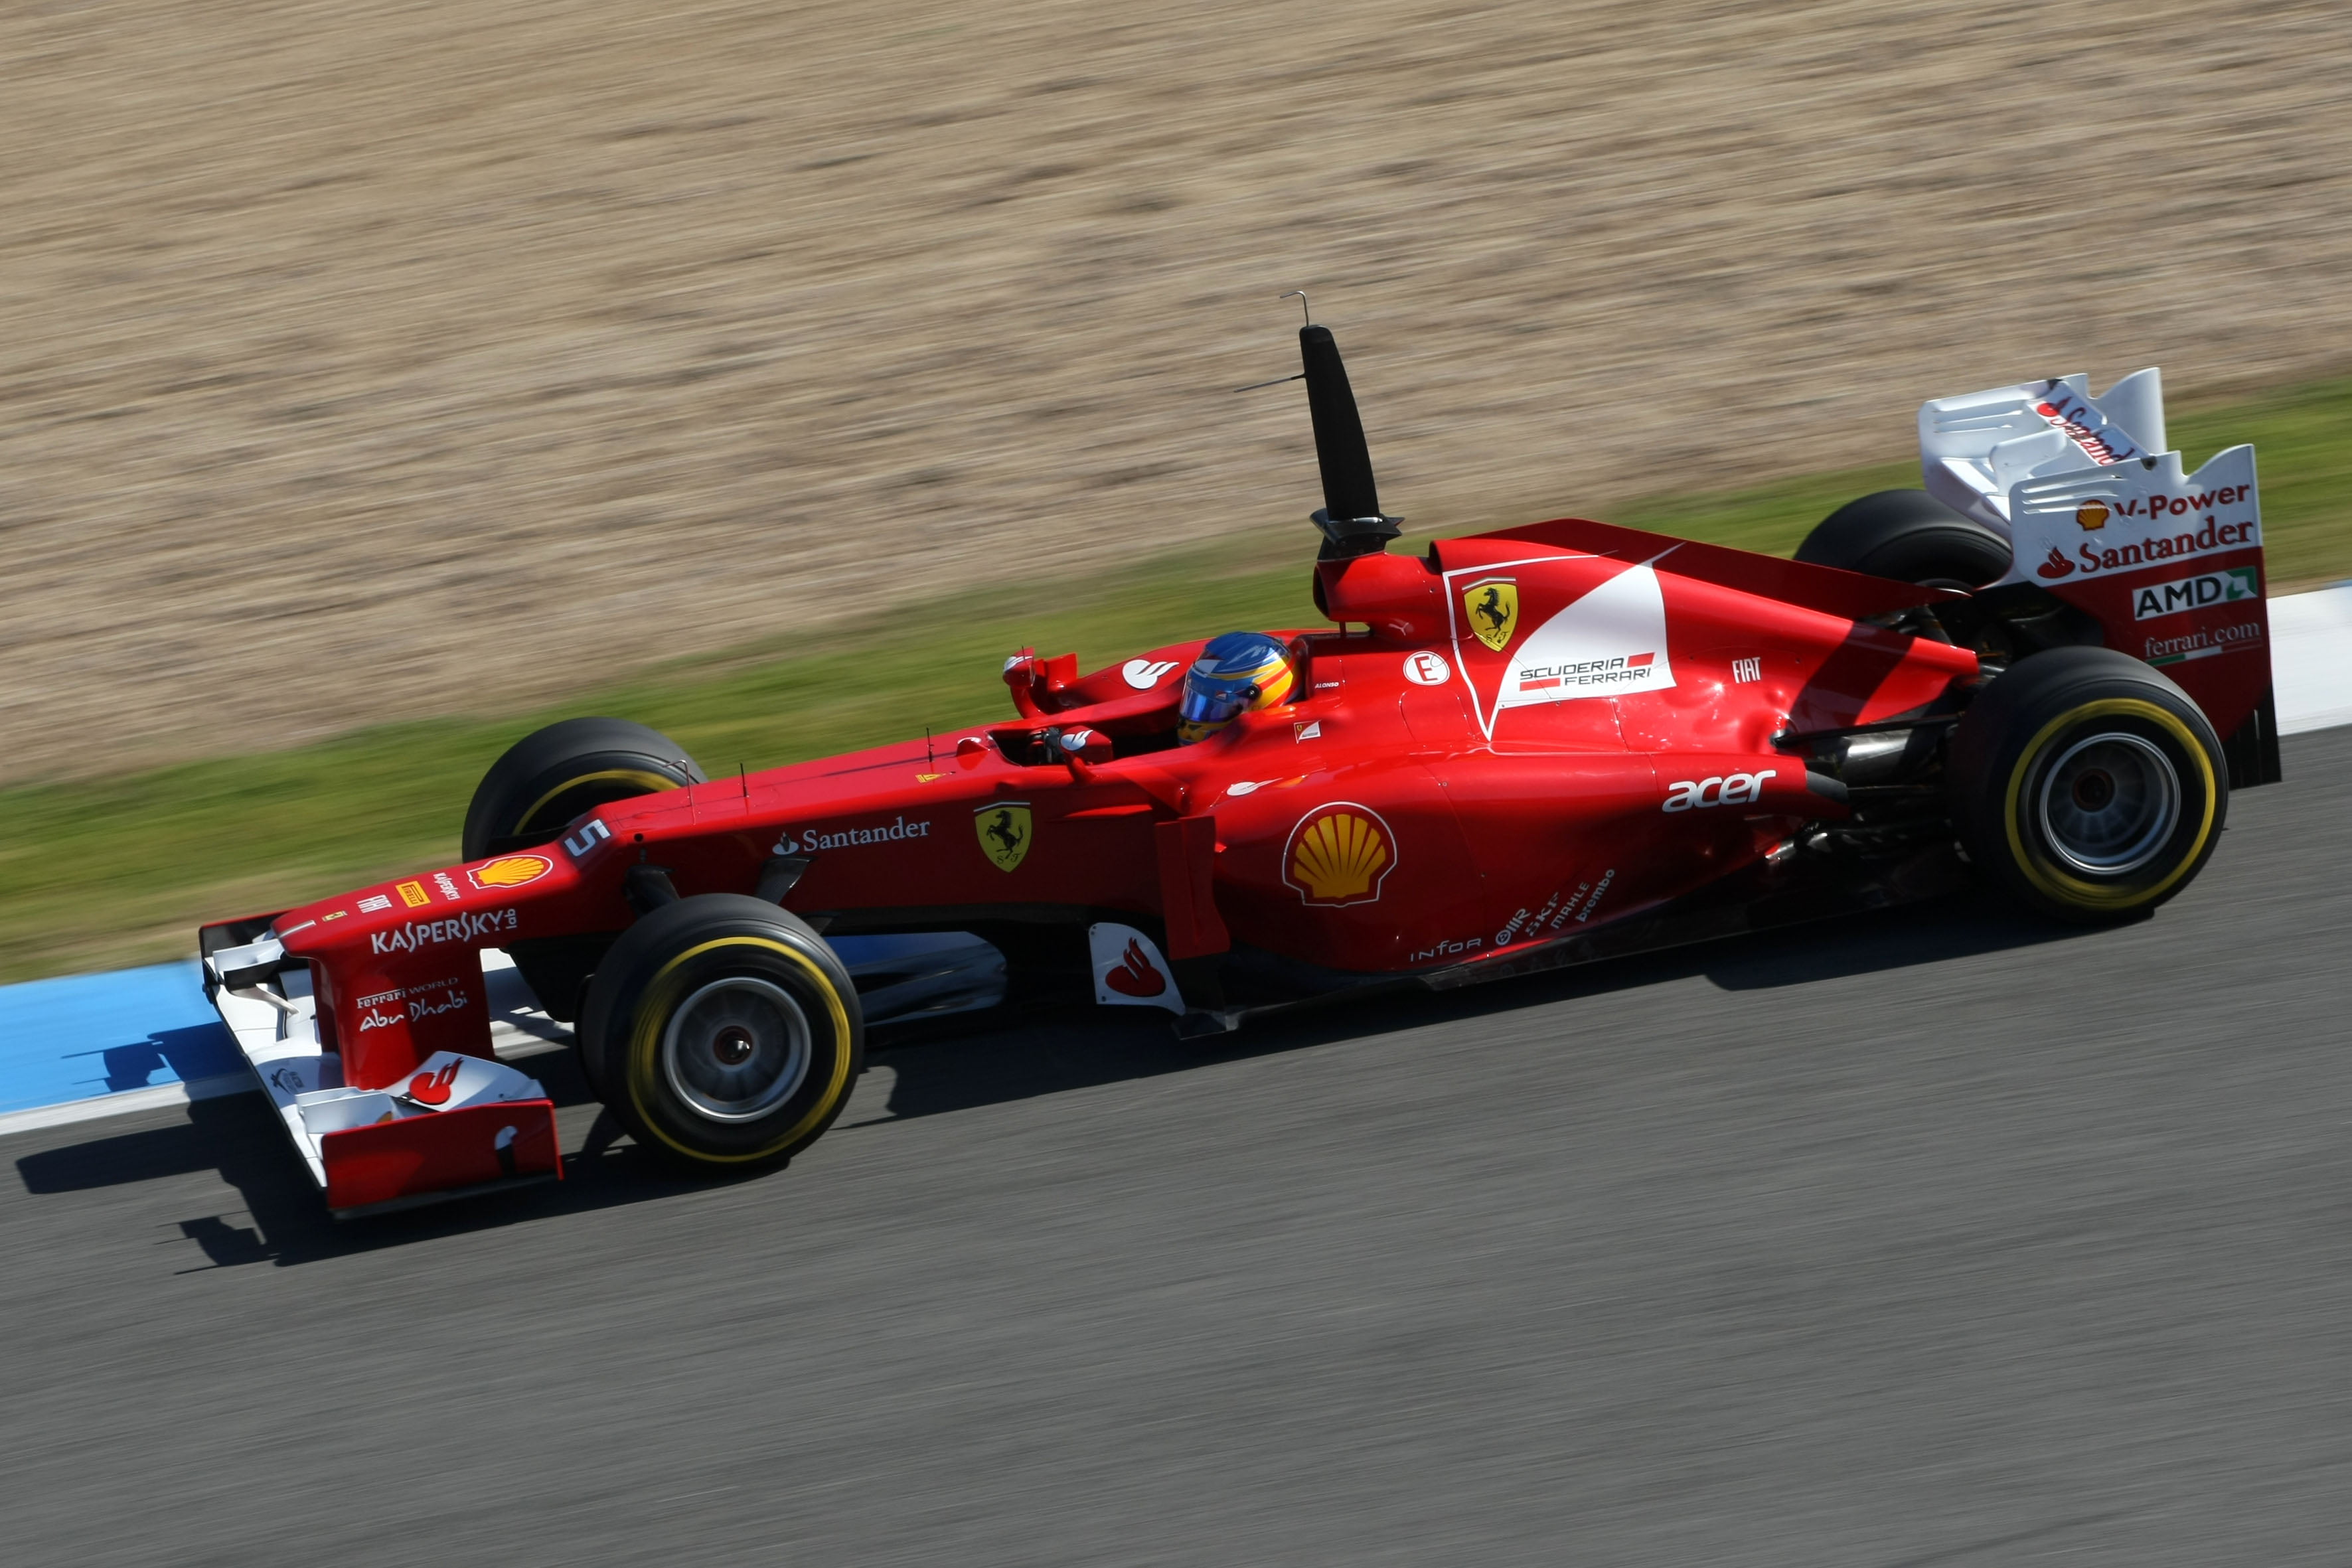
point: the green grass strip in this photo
(118, 871)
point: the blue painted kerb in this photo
(90, 1035)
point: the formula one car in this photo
(1506, 754)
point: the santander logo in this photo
(432, 1087)
(1143, 674)
(2056, 565)
(1129, 971)
(1135, 975)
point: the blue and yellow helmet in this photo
(1235, 673)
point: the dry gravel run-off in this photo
(371, 360)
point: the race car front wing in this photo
(458, 1125)
(464, 1124)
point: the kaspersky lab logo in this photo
(2232, 586)
(472, 926)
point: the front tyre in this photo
(554, 774)
(538, 788)
(2087, 783)
(723, 1032)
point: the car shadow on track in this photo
(284, 1219)
(951, 1065)
(1049, 1053)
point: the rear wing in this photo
(2099, 515)
(1973, 450)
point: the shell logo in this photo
(2091, 514)
(1338, 854)
(510, 871)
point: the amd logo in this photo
(2228, 587)
(1735, 789)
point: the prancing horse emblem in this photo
(1493, 607)
(1004, 832)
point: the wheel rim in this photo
(736, 1050)
(2110, 802)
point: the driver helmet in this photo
(1236, 672)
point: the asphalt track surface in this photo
(1936, 1238)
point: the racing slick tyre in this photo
(2087, 783)
(552, 776)
(723, 1032)
(543, 783)
(1910, 536)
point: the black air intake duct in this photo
(1351, 519)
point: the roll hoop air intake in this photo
(1351, 517)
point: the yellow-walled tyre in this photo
(723, 1032)
(554, 774)
(2087, 784)
(540, 785)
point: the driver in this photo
(1236, 672)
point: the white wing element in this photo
(1129, 971)
(1611, 642)
(2095, 523)
(1975, 448)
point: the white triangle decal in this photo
(1611, 642)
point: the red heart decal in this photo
(1135, 975)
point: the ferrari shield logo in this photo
(1004, 832)
(1492, 608)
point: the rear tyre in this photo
(2087, 784)
(544, 782)
(724, 1032)
(1909, 536)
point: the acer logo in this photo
(1136, 974)
(1731, 789)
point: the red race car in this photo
(1508, 753)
